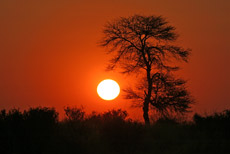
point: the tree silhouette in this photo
(146, 45)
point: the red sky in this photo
(49, 54)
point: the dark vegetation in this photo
(39, 131)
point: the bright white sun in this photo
(108, 89)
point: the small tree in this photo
(146, 44)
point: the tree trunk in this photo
(146, 112)
(147, 97)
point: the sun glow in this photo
(108, 89)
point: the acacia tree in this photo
(146, 45)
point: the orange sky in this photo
(49, 54)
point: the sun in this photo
(108, 89)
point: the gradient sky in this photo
(49, 54)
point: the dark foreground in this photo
(38, 131)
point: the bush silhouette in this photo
(38, 130)
(27, 132)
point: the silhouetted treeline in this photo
(38, 131)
